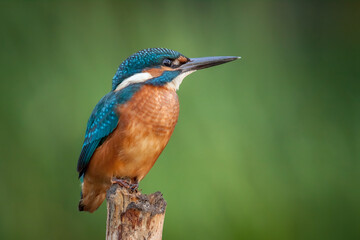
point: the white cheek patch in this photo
(175, 83)
(136, 78)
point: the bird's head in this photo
(161, 67)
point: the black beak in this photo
(205, 62)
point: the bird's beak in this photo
(205, 62)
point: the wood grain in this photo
(132, 215)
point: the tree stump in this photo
(132, 215)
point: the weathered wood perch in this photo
(132, 215)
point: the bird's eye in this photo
(167, 62)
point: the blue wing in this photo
(102, 122)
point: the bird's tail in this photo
(91, 197)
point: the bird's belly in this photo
(139, 150)
(145, 125)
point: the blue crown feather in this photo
(149, 57)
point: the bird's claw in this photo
(126, 184)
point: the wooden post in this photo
(133, 215)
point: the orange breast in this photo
(145, 125)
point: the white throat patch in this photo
(175, 83)
(136, 78)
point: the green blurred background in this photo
(267, 147)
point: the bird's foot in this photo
(134, 187)
(126, 184)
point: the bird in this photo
(131, 125)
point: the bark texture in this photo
(132, 215)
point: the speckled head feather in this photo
(147, 58)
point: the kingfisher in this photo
(131, 125)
